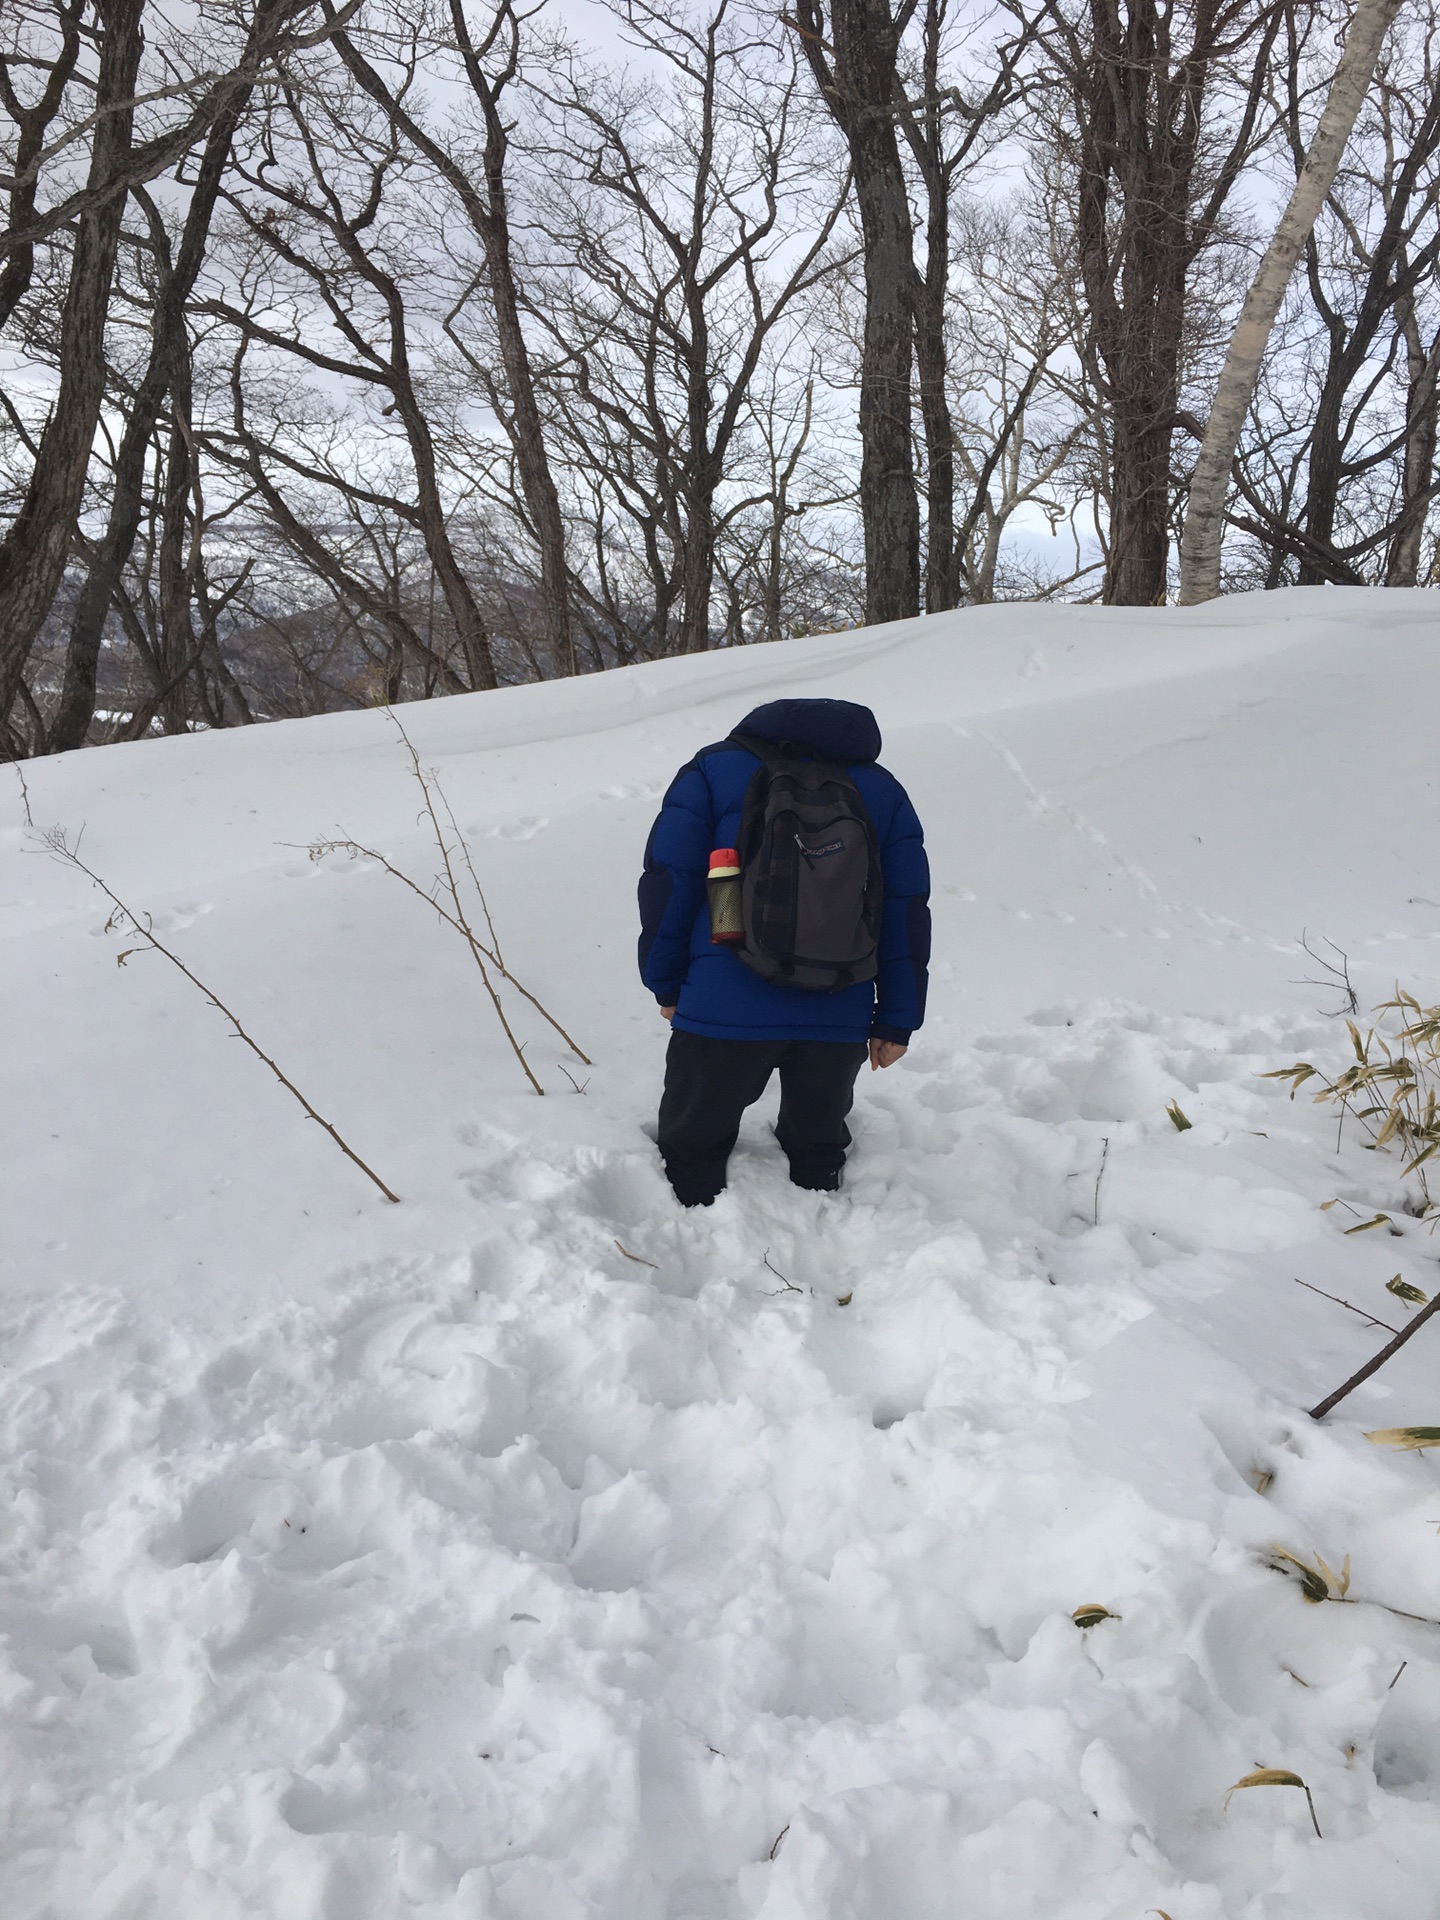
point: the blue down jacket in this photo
(717, 995)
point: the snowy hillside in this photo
(530, 1550)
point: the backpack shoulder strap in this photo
(765, 750)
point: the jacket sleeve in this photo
(672, 887)
(904, 957)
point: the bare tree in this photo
(1204, 518)
(37, 542)
(395, 350)
(1020, 413)
(946, 135)
(328, 184)
(1392, 268)
(103, 112)
(853, 49)
(163, 377)
(685, 228)
(1337, 487)
(44, 42)
(1157, 106)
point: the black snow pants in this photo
(709, 1084)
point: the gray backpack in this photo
(810, 882)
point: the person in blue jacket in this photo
(731, 1029)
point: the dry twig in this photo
(453, 888)
(1384, 1325)
(487, 957)
(1319, 1411)
(786, 1286)
(1339, 980)
(1104, 1156)
(59, 845)
(24, 794)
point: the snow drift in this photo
(533, 1550)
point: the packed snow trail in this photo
(537, 1549)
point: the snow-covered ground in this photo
(441, 1560)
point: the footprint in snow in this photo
(523, 829)
(635, 790)
(175, 921)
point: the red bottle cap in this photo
(725, 860)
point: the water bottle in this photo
(727, 921)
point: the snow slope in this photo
(443, 1561)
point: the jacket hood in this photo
(829, 729)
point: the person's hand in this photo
(884, 1053)
(667, 1013)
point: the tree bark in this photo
(1137, 564)
(861, 92)
(1205, 513)
(942, 578)
(1139, 128)
(37, 544)
(1403, 564)
(177, 561)
(887, 478)
(697, 570)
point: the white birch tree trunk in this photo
(1205, 514)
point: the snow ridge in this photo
(539, 1549)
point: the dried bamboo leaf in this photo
(1269, 1777)
(1411, 1439)
(1337, 1583)
(1091, 1614)
(1403, 1290)
(1296, 1075)
(1314, 1581)
(1277, 1777)
(1393, 1122)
